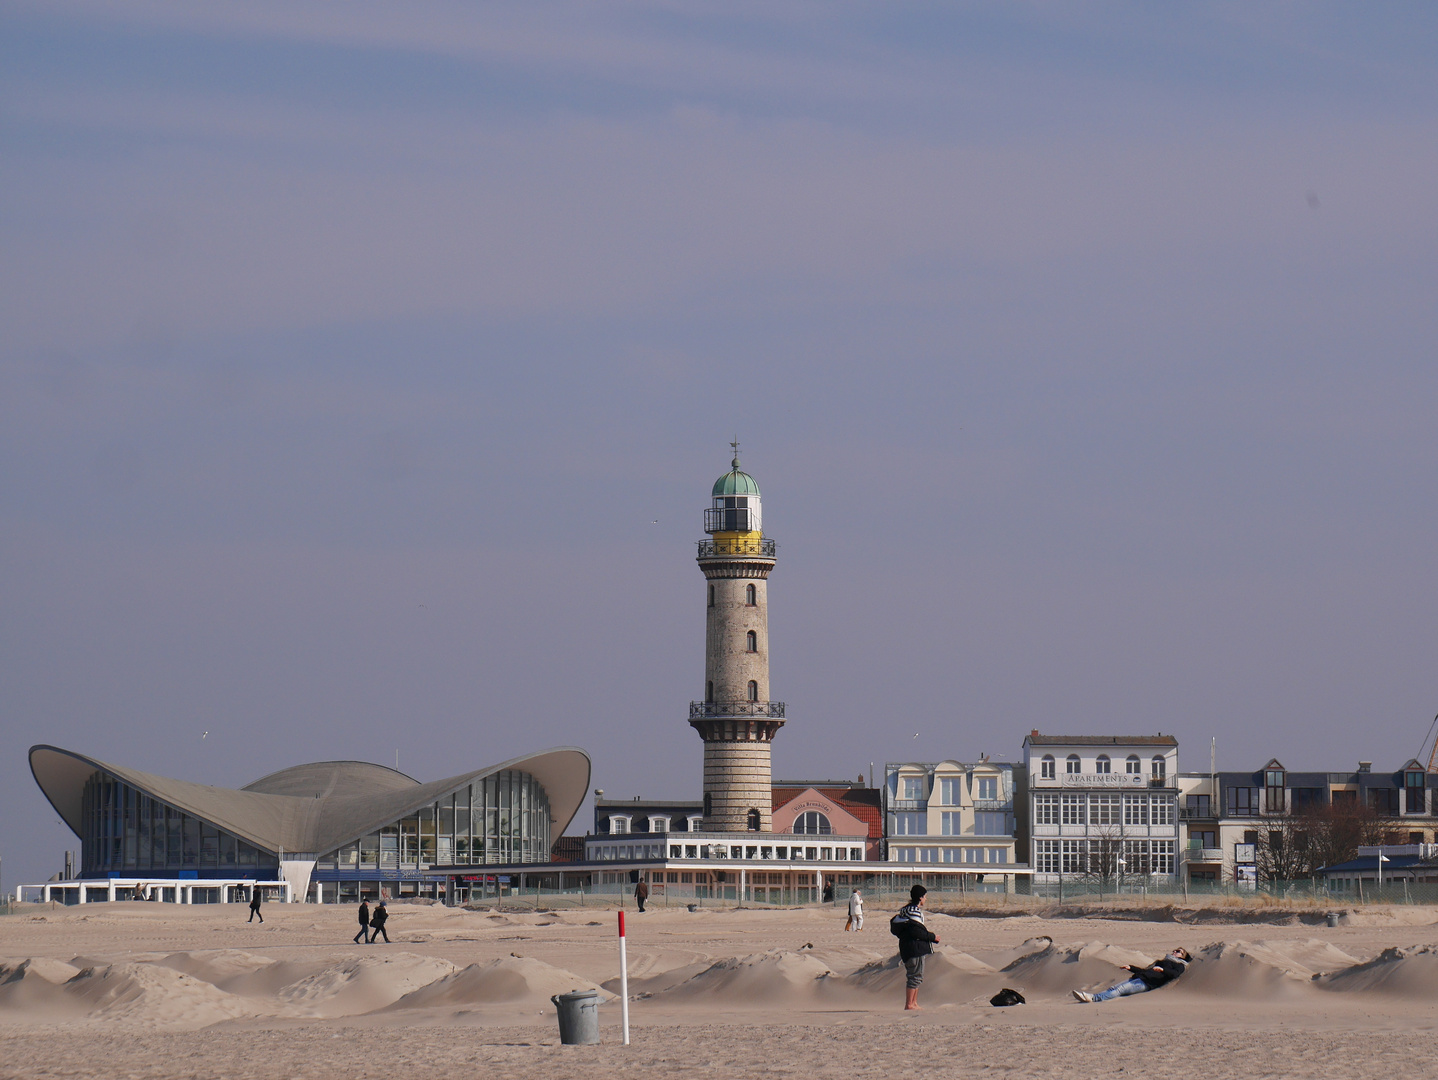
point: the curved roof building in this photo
(358, 823)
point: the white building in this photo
(1102, 809)
(950, 812)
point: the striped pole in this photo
(623, 981)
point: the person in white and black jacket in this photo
(1159, 973)
(916, 941)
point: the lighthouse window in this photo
(753, 690)
(749, 595)
(753, 820)
(753, 640)
(709, 691)
(711, 595)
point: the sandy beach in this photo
(145, 990)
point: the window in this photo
(814, 823)
(1302, 799)
(1159, 767)
(1075, 856)
(1273, 798)
(951, 790)
(752, 640)
(973, 855)
(1242, 801)
(989, 787)
(1046, 856)
(998, 856)
(1135, 809)
(1046, 767)
(908, 824)
(1073, 809)
(753, 820)
(951, 823)
(1413, 792)
(913, 788)
(1046, 809)
(1072, 765)
(709, 691)
(1102, 764)
(1133, 766)
(753, 690)
(990, 823)
(711, 595)
(749, 595)
(1198, 806)
(659, 824)
(1104, 810)
(1161, 810)
(618, 825)
(708, 806)
(1384, 801)
(695, 823)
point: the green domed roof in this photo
(735, 482)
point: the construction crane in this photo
(1432, 754)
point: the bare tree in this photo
(1295, 846)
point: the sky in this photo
(366, 367)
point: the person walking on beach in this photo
(641, 893)
(916, 941)
(828, 892)
(856, 911)
(1159, 973)
(255, 904)
(364, 921)
(376, 924)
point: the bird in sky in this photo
(205, 736)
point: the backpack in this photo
(899, 925)
(1007, 997)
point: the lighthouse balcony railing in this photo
(704, 710)
(718, 549)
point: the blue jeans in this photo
(1123, 989)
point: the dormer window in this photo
(913, 788)
(1274, 779)
(659, 824)
(618, 825)
(695, 823)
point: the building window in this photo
(1198, 807)
(708, 807)
(1046, 767)
(1046, 809)
(990, 823)
(753, 690)
(989, 787)
(1102, 764)
(1104, 810)
(951, 790)
(1162, 810)
(709, 692)
(908, 824)
(1413, 792)
(1073, 809)
(1242, 801)
(750, 594)
(753, 820)
(1160, 767)
(811, 822)
(659, 824)
(753, 641)
(998, 855)
(1132, 765)
(618, 825)
(973, 855)
(1135, 809)
(914, 788)
(1273, 800)
(1046, 856)
(951, 823)
(1072, 765)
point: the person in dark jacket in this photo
(916, 941)
(255, 904)
(364, 922)
(641, 893)
(376, 923)
(1159, 973)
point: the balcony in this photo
(1186, 813)
(898, 805)
(712, 710)
(1197, 853)
(993, 804)
(762, 548)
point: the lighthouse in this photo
(736, 719)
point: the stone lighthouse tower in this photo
(736, 719)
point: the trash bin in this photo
(578, 1016)
(1333, 918)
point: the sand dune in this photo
(508, 981)
(1411, 972)
(153, 995)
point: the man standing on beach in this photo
(856, 910)
(376, 922)
(916, 941)
(641, 893)
(364, 921)
(255, 904)
(1159, 973)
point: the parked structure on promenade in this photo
(951, 812)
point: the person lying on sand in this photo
(1159, 973)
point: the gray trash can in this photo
(1333, 918)
(578, 1016)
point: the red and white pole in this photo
(623, 981)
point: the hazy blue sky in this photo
(1084, 354)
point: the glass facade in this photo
(504, 818)
(127, 833)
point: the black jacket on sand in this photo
(915, 938)
(1160, 972)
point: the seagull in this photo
(205, 736)
(916, 734)
(654, 522)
